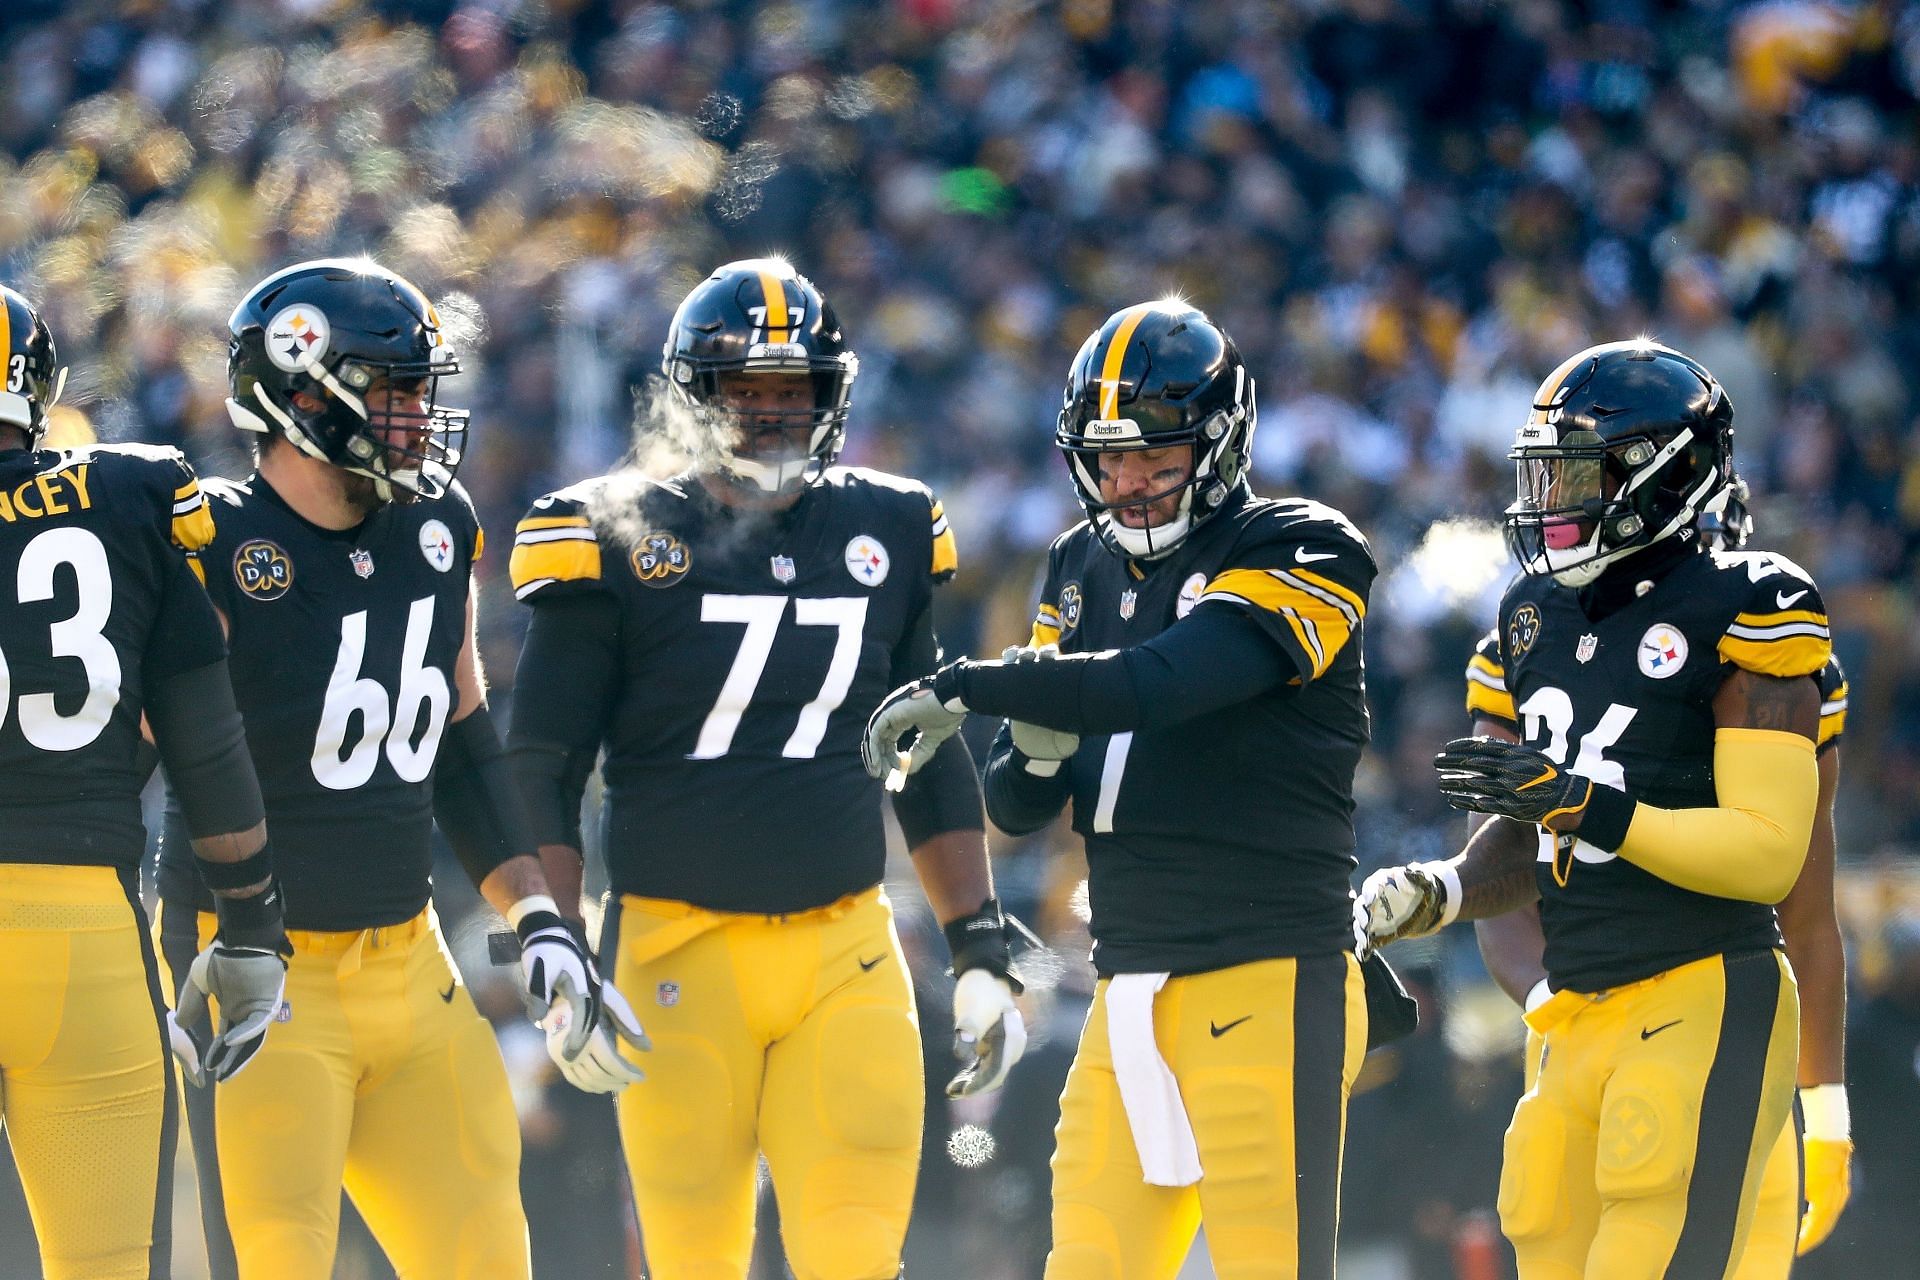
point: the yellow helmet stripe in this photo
(776, 301)
(6, 338)
(1116, 356)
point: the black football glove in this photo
(1511, 780)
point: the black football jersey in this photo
(1488, 699)
(95, 543)
(343, 650)
(752, 649)
(1627, 700)
(1226, 837)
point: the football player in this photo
(1821, 1156)
(1194, 686)
(721, 634)
(105, 624)
(1658, 800)
(342, 571)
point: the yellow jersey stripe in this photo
(1492, 703)
(1831, 727)
(191, 489)
(776, 302)
(199, 570)
(1325, 583)
(946, 554)
(193, 530)
(1322, 621)
(1050, 612)
(1116, 357)
(1794, 655)
(1489, 668)
(570, 561)
(479, 542)
(1044, 634)
(532, 523)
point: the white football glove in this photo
(911, 709)
(249, 984)
(989, 1035)
(185, 1050)
(597, 1066)
(552, 960)
(1404, 902)
(1037, 743)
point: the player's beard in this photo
(360, 494)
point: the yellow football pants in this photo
(1265, 1054)
(1776, 1216)
(85, 1078)
(380, 1076)
(1637, 1154)
(793, 1036)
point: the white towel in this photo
(1162, 1135)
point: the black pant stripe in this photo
(1319, 1055)
(1729, 1110)
(180, 941)
(160, 1252)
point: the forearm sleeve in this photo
(203, 745)
(474, 799)
(1019, 801)
(564, 691)
(943, 796)
(1212, 658)
(1751, 845)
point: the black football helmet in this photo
(1628, 444)
(760, 315)
(1728, 526)
(1157, 375)
(32, 376)
(332, 328)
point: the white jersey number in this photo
(761, 616)
(82, 636)
(408, 722)
(1548, 712)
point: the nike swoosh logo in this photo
(1548, 776)
(1647, 1033)
(1303, 556)
(868, 964)
(446, 997)
(1783, 599)
(1219, 1030)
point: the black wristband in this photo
(1606, 818)
(979, 941)
(534, 921)
(259, 921)
(244, 874)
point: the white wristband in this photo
(527, 906)
(1042, 768)
(1823, 1107)
(1449, 880)
(1537, 995)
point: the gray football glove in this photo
(1036, 742)
(249, 984)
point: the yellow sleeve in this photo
(552, 549)
(192, 526)
(1751, 845)
(946, 552)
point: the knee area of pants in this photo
(849, 1217)
(1645, 1145)
(1086, 1245)
(1532, 1203)
(1247, 1154)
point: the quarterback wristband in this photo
(1608, 814)
(979, 941)
(244, 874)
(1823, 1109)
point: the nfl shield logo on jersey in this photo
(668, 994)
(362, 561)
(783, 570)
(1128, 599)
(1584, 651)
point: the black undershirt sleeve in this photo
(944, 795)
(475, 801)
(1019, 801)
(203, 745)
(564, 691)
(1214, 657)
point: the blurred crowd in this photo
(1405, 211)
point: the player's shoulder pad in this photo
(1288, 548)
(455, 506)
(1775, 621)
(1487, 693)
(162, 472)
(555, 544)
(1297, 526)
(910, 504)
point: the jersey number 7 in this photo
(761, 615)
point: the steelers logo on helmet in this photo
(262, 570)
(436, 544)
(297, 337)
(1663, 651)
(867, 560)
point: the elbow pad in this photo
(474, 799)
(1751, 846)
(203, 744)
(943, 796)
